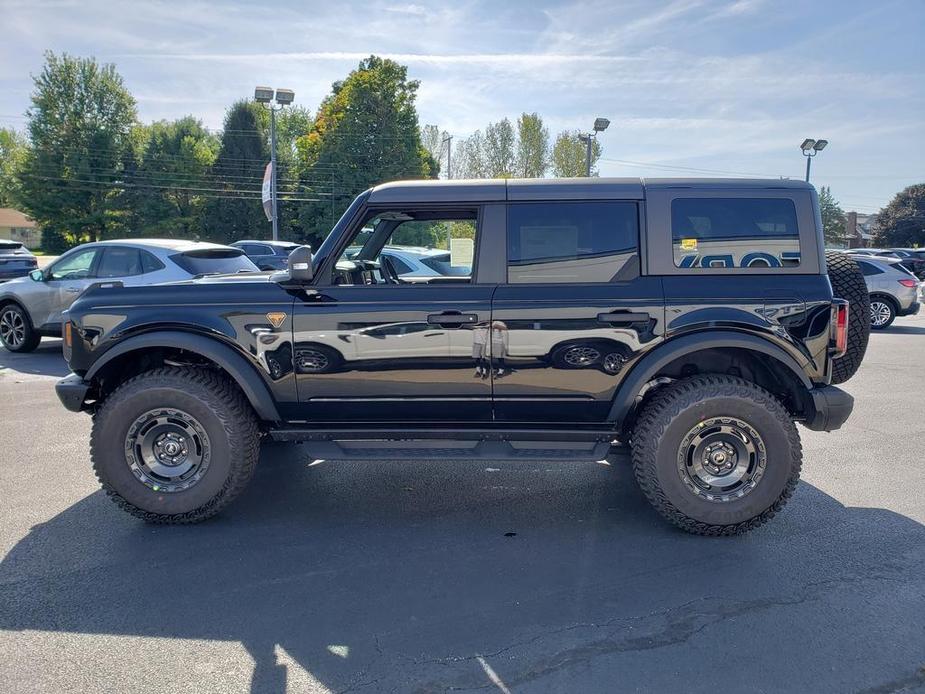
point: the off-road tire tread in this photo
(848, 283)
(665, 406)
(234, 411)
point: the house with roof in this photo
(16, 226)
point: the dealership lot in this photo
(431, 575)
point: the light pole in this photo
(810, 149)
(282, 97)
(600, 125)
(448, 141)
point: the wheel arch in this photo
(134, 350)
(891, 300)
(768, 365)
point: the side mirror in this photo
(37, 276)
(300, 265)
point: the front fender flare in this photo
(237, 366)
(647, 367)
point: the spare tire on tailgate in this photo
(848, 283)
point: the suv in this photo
(692, 320)
(893, 289)
(267, 255)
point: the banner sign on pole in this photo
(266, 195)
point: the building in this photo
(15, 226)
(860, 229)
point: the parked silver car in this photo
(31, 306)
(893, 289)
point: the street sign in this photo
(266, 193)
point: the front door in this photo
(66, 280)
(575, 312)
(371, 346)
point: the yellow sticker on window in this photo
(688, 244)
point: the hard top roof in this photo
(482, 190)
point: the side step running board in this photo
(307, 433)
(457, 450)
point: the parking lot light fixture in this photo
(281, 97)
(600, 125)
(810, 149)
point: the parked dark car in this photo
(695, 322)
(267, 255)
(15, 260)
(913, 260)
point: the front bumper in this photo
(831, 408)
(72, 392)
(911, 311)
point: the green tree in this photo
(165, 189)
(568, 155)
(14, 148)
(469, 158)
(902, 221)
(532, 146)
(365, 132)
(80, 122)
(833, 216)
(233, 209)
(432, 138)
(499, 149)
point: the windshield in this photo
(214, 261)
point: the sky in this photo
(691, 87)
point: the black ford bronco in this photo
(693, 320)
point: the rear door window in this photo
(120, 262)
(592, 241)
(734, 233)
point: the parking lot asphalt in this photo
(435, 575)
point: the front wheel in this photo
(716, 455)
(16, 331)
(174, 445)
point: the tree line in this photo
(86, 169)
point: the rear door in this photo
(575, 312)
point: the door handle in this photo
(623, 318)
(451, 318)
(72, 290)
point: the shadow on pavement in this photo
(901, 330)
(46, 360)
(405, 576)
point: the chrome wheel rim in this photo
(581, 356)
(879, 312)
(313, 360)
(721, 459)
(613, 362)
(12, 328)
(167, 450)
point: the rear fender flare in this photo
(233, 363)
(647, 367)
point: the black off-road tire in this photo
(223, 412)
(848, 283)
(30, 339)
(673, 412)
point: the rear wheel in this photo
(716, 455)
(174, 445)
(882, 313)
(16, 331)
(848, 283)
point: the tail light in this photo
(840, 328)
(908, 283)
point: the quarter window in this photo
(734, 233)
(572, 242)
